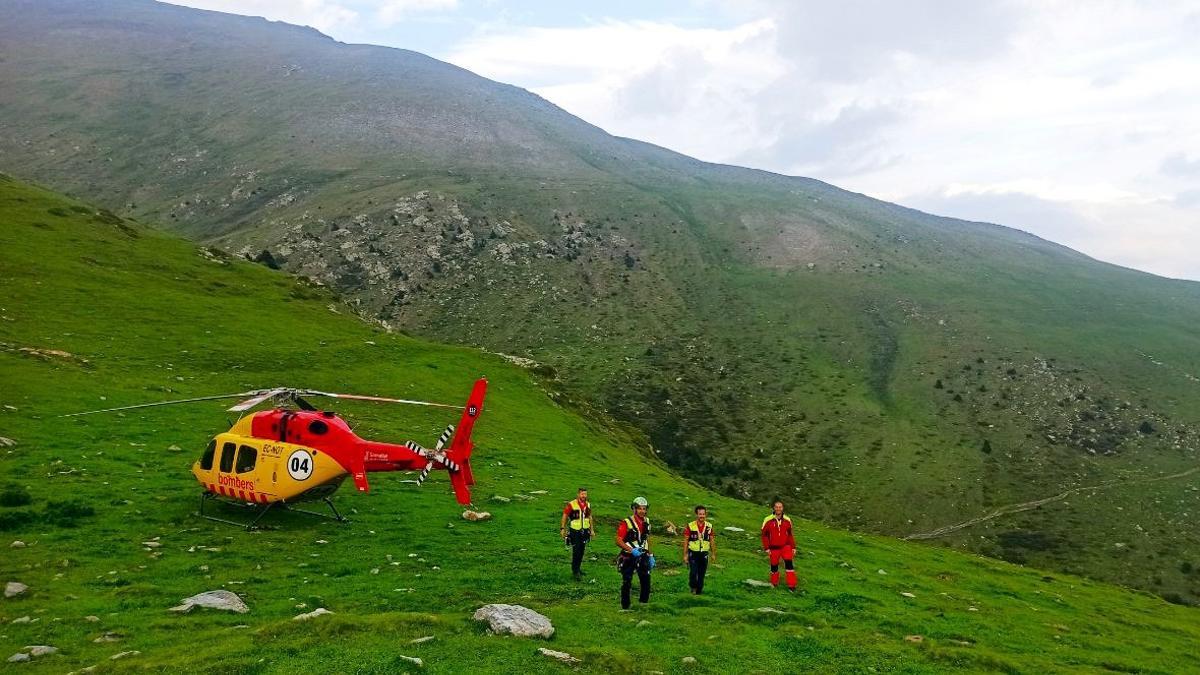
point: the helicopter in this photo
(296, 453)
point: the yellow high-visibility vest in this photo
(580, 517)
(698, 540)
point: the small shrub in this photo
(1176, 599)
(66, 513)
(11, 520)
(15, 495)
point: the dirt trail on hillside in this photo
(1026, 506)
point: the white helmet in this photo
(639, 501)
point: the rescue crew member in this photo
(779, 544)
(633, 538)
(699, 547)
(576, 529)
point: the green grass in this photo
(147, 317)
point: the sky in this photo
(1075, 120)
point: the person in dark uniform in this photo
(576, 529)
(699, 548)
(633, 538)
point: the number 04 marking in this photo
(300, 465)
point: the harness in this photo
(635, 537)
(699, 541)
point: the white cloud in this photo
(678, 87)
(393, 11)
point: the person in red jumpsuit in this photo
(779, 544)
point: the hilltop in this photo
(887, 370)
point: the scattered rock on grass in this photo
(7, 442)
(561, 656)
(514, 620)
(756, 583)
(19, 657)
(914, 638)
(413, 660)
(769, 610)
(108, 637)
(908, 595)
(122, 655)
(17, 544)
(688, 660)
(734, 529)
(14, 588)
(420, 640)
(220, 599)
(476, 515)
(40, 650)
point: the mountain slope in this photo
(889, 370)
(101, 311)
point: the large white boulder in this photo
(220, 599)
(514, 620)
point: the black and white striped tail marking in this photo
(424, 473)
(444, 438)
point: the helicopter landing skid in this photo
(262, 511)
(336, 516)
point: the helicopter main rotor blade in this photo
(151, 405)
(255, 400)
(379, 399)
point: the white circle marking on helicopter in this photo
(300, 465)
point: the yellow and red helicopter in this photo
(283, 456)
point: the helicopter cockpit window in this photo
(246, 458)
(227, 452)
(206, 459)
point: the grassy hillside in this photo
(99, 311)
(888, 370)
